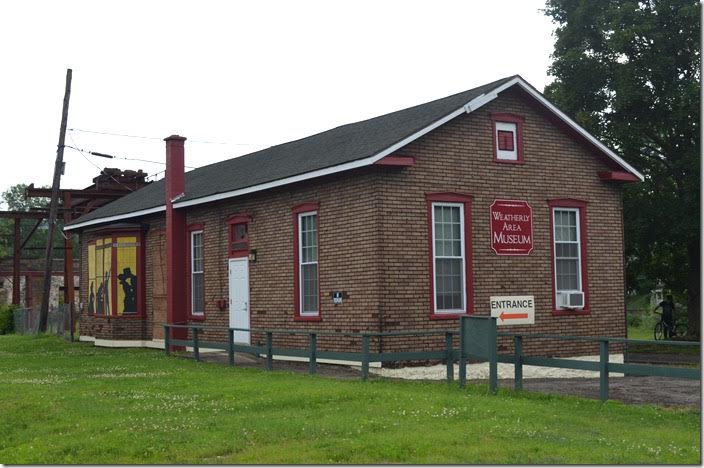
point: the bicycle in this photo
(677, 329)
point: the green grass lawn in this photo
(75, 403)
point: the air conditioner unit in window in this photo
(570, 300)
(576, 300)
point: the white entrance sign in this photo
(513, 310)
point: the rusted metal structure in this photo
(111, 184)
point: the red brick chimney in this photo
(176, 259)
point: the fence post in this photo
(463, 352)
(167, 340)
(365, 357)
(312, 343)
(493, 358)
(449, 357)
(196, 349)
(70, 321)
(604, 370)
(231, 346)
(269, 351)
(518, 362)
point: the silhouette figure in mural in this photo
(91, 299)
(128, 280)
(100, 299)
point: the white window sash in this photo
(580, 281)
(462, 257)
(196, 272)
(301, 263)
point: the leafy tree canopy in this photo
(629, 72)
(15, 200)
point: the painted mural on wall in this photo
(112, 276)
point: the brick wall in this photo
(458, 157)
(155, 261)
(347, 241)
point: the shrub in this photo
(7, 321)
(634, 319)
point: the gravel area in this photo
(480, 371)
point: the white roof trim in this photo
(471, 106)
(116, 218)
(575, 126)
(479, 101)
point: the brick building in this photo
(392, 216)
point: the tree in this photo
(15, 200)
(629, 72)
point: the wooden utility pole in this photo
(54, 208)
(68, 263)
(16, 263)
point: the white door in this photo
(239, 297)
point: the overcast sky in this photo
(240, 75)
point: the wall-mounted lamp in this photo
(253, 255)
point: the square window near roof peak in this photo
(508, 138)
(506, 141)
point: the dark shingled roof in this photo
(340, 145)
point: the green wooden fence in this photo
(478, 341)
(364, 356)
(478, 338)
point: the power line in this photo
(110, 156)
(159, 138)
(101, 171)
(155, 174)
(114, 134)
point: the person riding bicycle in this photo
(668, 314)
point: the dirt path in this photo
(663, 391)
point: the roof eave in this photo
(578, 128)
(110, 219)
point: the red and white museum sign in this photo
(511, 227)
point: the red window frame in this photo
(191, 228)
(466, 202)
(233, 221)
(113, 234)
(507, 118)
(295, 211)
(580, 205)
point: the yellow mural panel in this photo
(126, 275)
(99, 278)
(113, 270)
(107, 269)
